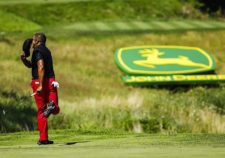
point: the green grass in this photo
(91, 84)
(10, 22)
(113, 144)
(86, 11)
(13, 2)
(107, 118)
(75, 17)
(138, 26)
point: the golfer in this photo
(43, 82)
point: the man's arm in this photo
(26, 62)
(41, 72)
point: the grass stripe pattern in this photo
(172, 25)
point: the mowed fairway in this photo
(138, 26)
(113, 145)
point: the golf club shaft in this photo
(33, 94)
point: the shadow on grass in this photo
(73, 143)
(70, 143)
(181, 88)
(16, 112)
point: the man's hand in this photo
(23, 57)
(55, 84)
(26, 62)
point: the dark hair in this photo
(40, 37)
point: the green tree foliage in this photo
(213, 7)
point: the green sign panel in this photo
(163, 60)
(174, 79)
(166, 65)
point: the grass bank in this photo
(16, 112)
(52, 14)
(93, 96)
(91, 92)
(113, 144)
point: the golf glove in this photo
(55, 84)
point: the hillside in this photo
(92, 95)
(79, 11)
(59, 14)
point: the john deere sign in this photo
(162, 64)
(163, 60)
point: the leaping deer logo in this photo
(153, 59)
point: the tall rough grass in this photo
(92, 94)
(141, 111)
(17, 112)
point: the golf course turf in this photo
(69, 143)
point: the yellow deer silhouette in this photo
(153, 58)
